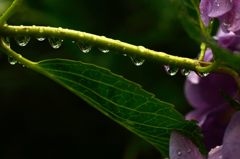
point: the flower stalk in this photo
(102, 41)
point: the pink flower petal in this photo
(231, 140)
(218, 8)
(204, 11)
(215, 153)
(183, 148)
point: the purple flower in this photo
(227, 11)
(183, 148)
(206, 95)
(229, 40)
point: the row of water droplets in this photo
(24, 40)
(173, 70)
(83, 46)
(56, 43)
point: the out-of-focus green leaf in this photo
(224, 56)
(190, 17)
(121, 100)
(4, 4)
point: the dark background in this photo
(40, 119)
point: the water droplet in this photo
(179, 153)
(22, 40)
(55, 42)
(172, 71)
(12, 60)
(185, 72)
(104, 50)
(40, 38)
(124, 55)
(85, 48)
(137, 61)
(203, 74)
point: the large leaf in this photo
(121, 100)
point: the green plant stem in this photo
(203, 48)
(101, 41)
(9, 12)
(7, 50)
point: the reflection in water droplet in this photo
(185, 72)
(171, 70)
(22, 40)
(104, 50)
(137, 61)
(55, 42)
(11, 60)
(203, 74)
(41, 38)
(85, 48)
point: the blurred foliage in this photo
(40, 119)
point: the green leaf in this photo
(121, 100)
(189, 16)
(224, 56)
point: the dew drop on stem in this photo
(22, 40)
(85, 48)
(171, 70)
(202, 74)
(40, 38)
(185, 72)
(55, 43)
(12, 61)
(104, 50)
(137, 61)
